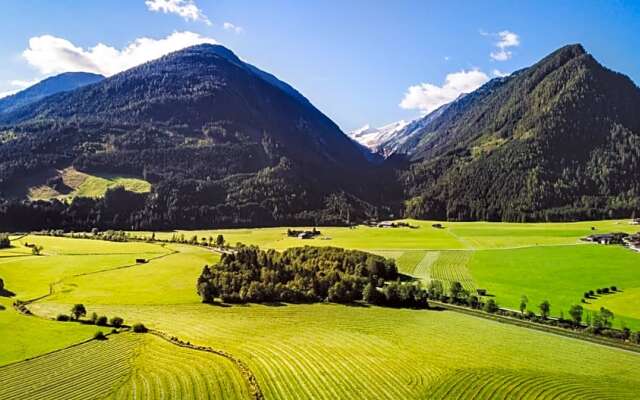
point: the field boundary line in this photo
(250, 378)
(538, 327)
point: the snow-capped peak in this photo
(373, 137)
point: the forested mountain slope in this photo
(223, 143)
(558, 140)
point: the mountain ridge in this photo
(64, 82)
(226, 144)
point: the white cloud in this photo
(506, 39)
(51, 55)
(228, 26)
(187, 9)
(426, 97)
(500, 74)
(501, 55)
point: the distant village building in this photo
(607, 238)
(635, 221)
(305, 235)
(633, 242)
(387, 224)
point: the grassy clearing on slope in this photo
(327, 351)
(96, 186)
(80, 184)
(560, 274)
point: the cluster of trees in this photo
(591, 293)
(210, 241)
(5, 243)
(79, 311)
(307, 274)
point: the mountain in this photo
(399, 137)
(55, 84)
(222, 142)
(373, 137)
(557, 140)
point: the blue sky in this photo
(358, 61)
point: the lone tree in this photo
(36, 250)
(576, 313)
(220, 241)
(524, 300)
(606, 316)
(545, 309)
(78, 311)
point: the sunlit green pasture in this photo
(23, 337)
(334, 351)
(330, 351)
(110, 272)
(560, 274)
(124, 366)
(454, 235)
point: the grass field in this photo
(333, 351)
(561, 274)
(325, 350)
(126, 366)
(454, 236)
(540, 260)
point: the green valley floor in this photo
(324, 351)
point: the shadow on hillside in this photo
(274, 304)
(218, 304)
(357, 304)
(406, 278)
(6, 293)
